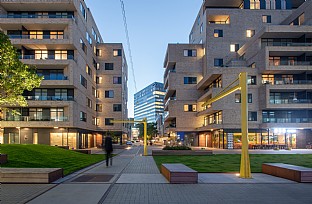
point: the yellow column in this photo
(145, 136)
(245, 162)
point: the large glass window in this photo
(41, 54)
(254, 4)
(57, 114)
(190, 80)
(61, 54)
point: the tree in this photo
(151, 130)
(15, 77)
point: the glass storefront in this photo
(63, 139)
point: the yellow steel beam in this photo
(144, 122)
(245, 162)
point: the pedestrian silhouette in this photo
(108, 147)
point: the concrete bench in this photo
(179, 173)
(30, 175)
(287, 171)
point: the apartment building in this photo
(149, 102)
(85, 80)
(271, 41)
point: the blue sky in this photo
(151, 25)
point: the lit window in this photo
(98, 80)
(234, 47)
(250, 33)
(41, 54)
(117, 52)
(61, 54)
(266, 19)
(189, 108)
(201, 28)
(254, 4)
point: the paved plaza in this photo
(134, 178)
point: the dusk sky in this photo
(151, 25)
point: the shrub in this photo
(177, 148)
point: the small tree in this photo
(151, 130)
(15, 77)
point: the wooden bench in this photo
(287, 171)
(30, 175)
(179, 173)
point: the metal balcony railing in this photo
(37, 16)
(69, 57)
(290, 101)
(286, 81)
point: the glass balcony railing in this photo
(32, 118)
(53, 77)
(289, 63)
(37, 16)
(50, 98)
(285, 44)
(286, 81)
(287, 120)
(39, 37)
(290, 101)
(69, 57)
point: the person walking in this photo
(108, 146)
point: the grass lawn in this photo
(44, 156)
(231, 162)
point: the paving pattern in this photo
(209, 193)
(21, 193)
(142, 165)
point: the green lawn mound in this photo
(231, 162)
(44, 156)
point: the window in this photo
(89, 103)
(198, 20)
(36, 35)
(56, 114)
(218, 33)
(88, 70)
(117, 80)
(201, 28)
(215, 118)
(266, 19)
(83, 11)
(234, 47)
(218, 62)
(252, 65)
(89, 39)
(117, 52)
(117, 107)
(238, 98)
(190, 108)
(109, 66)
(98, 52)
(98, 80)
(108, 121)
(83, 81)
(41, 54)
(250, 33)
(83, 46)
(283, 4)
(96, 65)
(252, 80)
(97, 93)
(190, 80)
(252, 116)
(94, 34)
(190, 53)
(99, 107)
(56, 34)
(191, 37)
(270, 4)
(61, 54)
(93, 91)
(83, 116)
(109, 94)
(254, 4)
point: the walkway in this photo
(136, 179)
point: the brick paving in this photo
(209, 193)
(21, 193)
(142, 165)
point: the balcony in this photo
(39, 37)
(52, 57)
(287, 120)
(291, 101)
(32, 118)
(166, 77)
(170, 99)
(50, 98)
